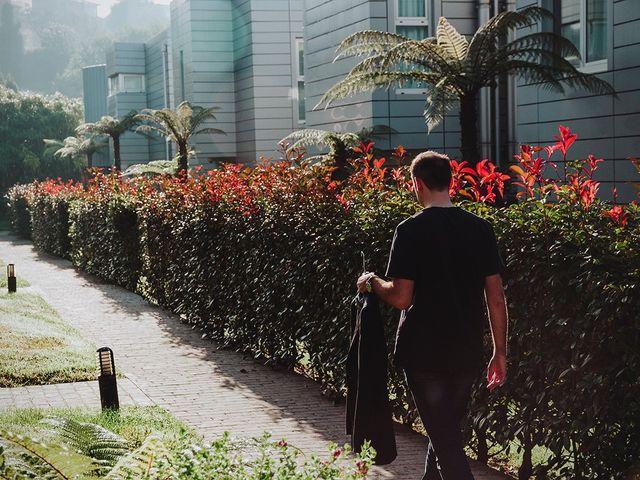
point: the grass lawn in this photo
(21, 283)
(37, 347)
(132, 423)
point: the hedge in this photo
(265, 259)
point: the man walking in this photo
(444, 262)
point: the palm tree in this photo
(75, 147)
(179, 126)
(112, 127)
(454, 70)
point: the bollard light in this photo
(12, 284)
(107, 379)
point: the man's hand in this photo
(497, 371)
(361, 284)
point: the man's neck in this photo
(443, 201)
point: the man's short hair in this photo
(433, 168)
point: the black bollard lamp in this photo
(12, 284)
(107, 379)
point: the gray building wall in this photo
(157, 87)
(203, 69)
(606, 126)
(264, 56)
(95, 91)
(128, 58)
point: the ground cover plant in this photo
(37, 347)
(264, 259)
(149, 443)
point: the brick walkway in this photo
(169, 364)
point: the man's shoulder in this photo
(427, 216)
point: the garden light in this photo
(107, 379)
(11, 278)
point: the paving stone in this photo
(169, 364)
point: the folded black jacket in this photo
(368, 409)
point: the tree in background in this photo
(11, 43)
(179, 126)
(114, 128)
(25, 119)
(453, 69)
(59, 42)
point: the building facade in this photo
(267, 63)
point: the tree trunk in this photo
(89, 160)
(116, 153)
(469, 128)
(183, 161)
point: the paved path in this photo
(169, 364)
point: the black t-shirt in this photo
(448, 252)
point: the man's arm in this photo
(497, 306)
(397, 292)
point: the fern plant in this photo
(453, 69)
(23, 457)
(90, 439)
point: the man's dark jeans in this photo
(442, 402)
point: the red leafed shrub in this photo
(265, 259)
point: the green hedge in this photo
(19, 216)
(105, 239)
(265, 261)
(50, 224)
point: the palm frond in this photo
(201, 114)
(364, 82)
(451, 41)
(534, 73)
(51, 146)
(368, 42)
(315, 137)
(440, 100)
(550, 41)
(152, 169)
(487, 35)
(210, 130)
(426, 54)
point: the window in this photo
(302, 115)
(584, 23)
(412, 21)
(132, 83)
(126, 83)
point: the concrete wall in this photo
(607, 127)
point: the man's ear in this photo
(420, 186)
